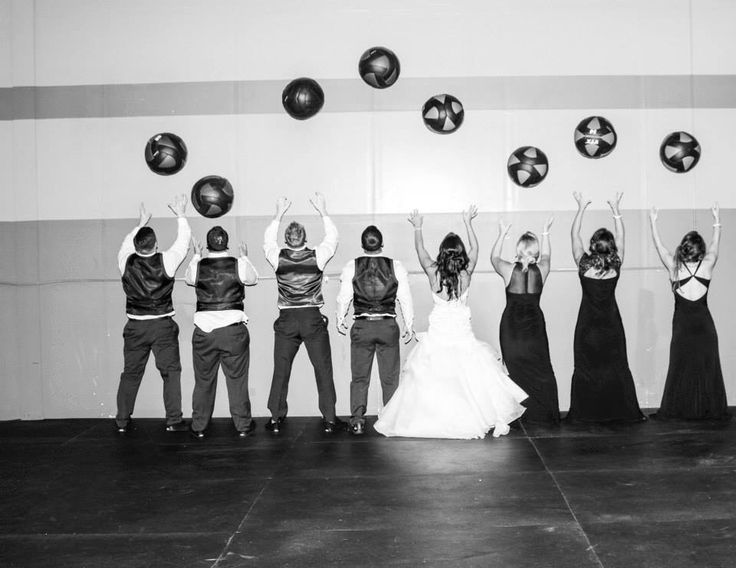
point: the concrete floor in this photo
(74, 493)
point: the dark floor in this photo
(73, 493)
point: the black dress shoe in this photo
(358, 429)
(199, 434)
(177, 427)
(275, 425)
(331, 427)
(124, 429)
(250, 428)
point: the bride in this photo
(452, 385)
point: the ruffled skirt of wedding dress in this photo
(452, 386)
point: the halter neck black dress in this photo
(694, 388)
(602, 386)
(525, 347)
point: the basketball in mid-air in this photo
(379, 67)
(443, 114)
(679, 152)
(303, 98)
(527, 166)
(212, 196)
(165, 153)
(595, 137)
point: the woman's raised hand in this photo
(615, 204)
(582, 202)
(547, 225)
(416, 219)
(470, 213)
(503, 229)
(716, 211)
(653, 213)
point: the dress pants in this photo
(294, 326)
(228, 347)
(369, 338)
(140, 338)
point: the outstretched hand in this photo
(716, 211)
(503, 228)
(470, 213)
(179, 206)
(582, 202)
(143, 215)
(319, 203)
(197, 246)
(282, 206)
(653, 213)
(548, 224)
(615, 204)
(416, 219)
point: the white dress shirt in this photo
(172, 257)
(403, 292)
(214, 319)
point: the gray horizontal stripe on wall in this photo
(352, 95)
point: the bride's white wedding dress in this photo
(452, 385)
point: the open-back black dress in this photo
(602, 386)
(525, 347)
(694, 388)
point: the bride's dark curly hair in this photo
(451, 261)
(603, 253)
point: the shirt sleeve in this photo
(126, 249)
(270, 245)
(403, 294)
(247, 272)
(345, 295)
(174, 256)
(326, 249)
(190, 276)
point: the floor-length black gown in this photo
(525, 347)
(694, 388)
(602, 386)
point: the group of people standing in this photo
(452, 384)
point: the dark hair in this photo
(295, 235)
(371, 240)
(217, 239)
(691, 249)
(451, 261)
(603, 252)
(144, 240)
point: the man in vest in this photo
(148, 280)
(220, 335)
(373, 283)
(299, 279)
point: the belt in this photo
(374, 318)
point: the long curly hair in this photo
(451, 261)
(603, 254)
(691, 249)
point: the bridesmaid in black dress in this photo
(602, 386)
(694, 388)
(523, 332)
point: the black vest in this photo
(218, 285)
(147, 286)
(299, 278)
(374, 286)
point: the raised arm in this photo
(270, 245)
(545, 253)
(664, 255)
(503, 267)
(618, 224)
(468, 215)
(176, 254)
(246, 271)
(190, 276)
(128, 248)
(712, 255)
(326, 249)
(577, 243)
(425, 260)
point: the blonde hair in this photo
(527, 250)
